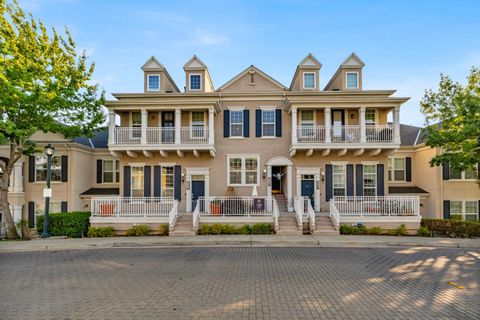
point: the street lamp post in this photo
(49, 150)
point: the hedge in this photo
(452, 228)
(69, 224)
(259, 228)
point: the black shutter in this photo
(226, 123)
(278, 122)
(246, 123)
(147, 181)
(478, 172)
(359, 179)
(349, 180)
(478, 209)
(446, 209)
(31, 169)
(328, 182)
(177, 182)
(31, 214)
(446, 171)
(380, 180)
(258, 123)
(157, 181)
(64, 168)
(408, 169)
(127, 173)
(64, 206)
(99, 171)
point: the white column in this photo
(316, 202)
(328, 124)
(396, 124)
(17, 177)
(211, 132)
(143, 139)
(269, 180)
(17, 214)
(178, 123)
(294, 125)
(289, 188)
(299, 185)
(111, 127)
(363, 129)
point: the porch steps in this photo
(324, 226)
(281, 202)
(183, 227)
(287, 224)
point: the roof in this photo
(413, 189)
(99, 139)
(409, 134)
(247, 70)
(101, 192)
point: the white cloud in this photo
(203, 37)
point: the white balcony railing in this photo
(236, 206)
(311, 133)
(345, 134)
(379, 133)
(375, 206)
(161, 136)
(134, 207)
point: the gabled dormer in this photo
(197, 78)
(156, 78)
(307, 75)
(348, 76)
(252, 79)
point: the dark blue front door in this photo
(198, 190)
(308, 189)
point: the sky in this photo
(404, 44)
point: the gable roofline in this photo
(299, 66)
(344, 65)
(154, 59)
(241, 74)
(203, 66)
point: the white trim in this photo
(189, 172)
(190, 120)
(370, 162)
(235, 108)
(279, 161)
(346, 80)
(190, 81)
(242, 123)
(114, 171)
(274, 122)
(339, 162)
(314, 80)
(167, 164)
(391, 161)
(308, 170)
(267, 107)
(463, 213)
(148, 82)
(243, 157)
(136, 164)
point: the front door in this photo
(198, 190)
(168, 125)
(338, 121)
(308, 188)
(276, 179)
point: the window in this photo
(111, 171)
(55, 207)
(236, 123)
(352, 80)
(243, 170)
(137, 181)
(136, 118)
(369, 180)
(168, 181)
(307, 121)
(198, 124)
(468, 209)
(195, 82)
(41, 168)
(153, 82)
(396, 169)
(309, 80)
(468, 174)
(268, 123)
(339, 180)
(370, 116)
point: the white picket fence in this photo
(236, 206)
(134, 207)
(375, 206)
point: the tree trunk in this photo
(7, 215)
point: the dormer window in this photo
(352, 80)
(153, 82)
(195, 82)
(308, 80)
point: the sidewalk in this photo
(235, 240)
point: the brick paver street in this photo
(241, 283)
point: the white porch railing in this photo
(196, 218)
(173, 216)
(334, 215)
(236, 206)
(159, 135)
(127, 135)
(345, 134)
(194, 135)
(134, 207)
(310, 133)
(376, 205)
(379, 133)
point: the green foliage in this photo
(374, 231)
(23, 226)
(456, 217)
(138, 230)
(423, 232)
(456, 109)
(69, 224)
(452, 228)
(163, 230)
(401, 230)
(216, 229)
(362, 230)
(100, 232)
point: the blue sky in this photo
(405, 44)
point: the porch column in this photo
(299, 184)
(396, 124)
(328, 123)
(17, 182)
(363, 129)
(211, 132)
(178, 123)
(111, 127)
(143, 139)
(294, 125)
(289, 188)
(316, 202)
(269, 180)
(16, 210)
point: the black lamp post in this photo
(49, 150)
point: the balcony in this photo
(345, 134)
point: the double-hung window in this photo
(236, 123)
(195, 82)
(111, 171)
(309, 80)
(339, 180)
(168, 181)
(41, 168)
(137, 181)
(268, 123)
(369, 180)
(396, 169)
(198, 124)
(243, 170)
(136, 118)
(468, 174)
(352, 80)
(307, 121)
(55, 207)
(153, 82)
(468, 209)
(369, 116)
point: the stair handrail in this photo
(311, 216)
(334, 214)
(299, 211)
(196, 216)
(275, 214)
(173, 216)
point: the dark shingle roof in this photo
(99, 139)
(406, 190)
(409, 134)
(101, 192)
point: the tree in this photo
(45, 85)
(452, 116)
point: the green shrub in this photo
(138, 230)
(456, 217)
(401, 230)
(100, 232)
(262, 228)
(216, 229)
(69, 224)
(375, 231)
(163, 230)
(423, 232)
(452, 228)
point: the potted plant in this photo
(107, 209)
(216, 207)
